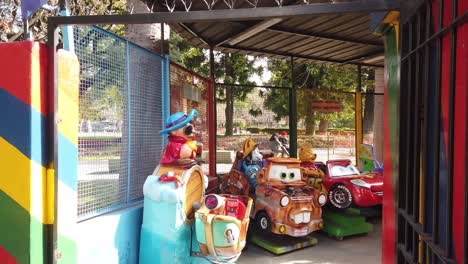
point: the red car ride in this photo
(346, 185)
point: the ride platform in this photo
(280, 244)
(352, 221)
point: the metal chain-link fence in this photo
(326, 122)
(120, 113)
(244, 112)
(189, 90)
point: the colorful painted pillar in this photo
(24, 182)
(26, 154)
(387, 26)
(66, 157)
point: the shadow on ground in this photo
(361, 249)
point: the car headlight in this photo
(211, 201)
(284, 201)
(322, 199)
(360, 183)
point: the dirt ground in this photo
(360, 249)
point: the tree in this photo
(230, 68)
(368, 119)
(11, 25)
(310, 79)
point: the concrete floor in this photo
(361, 249)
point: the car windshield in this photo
(339, 171)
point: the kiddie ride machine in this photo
(176, 208)
(286, 210)
(352, 195)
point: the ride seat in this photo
(234, 208)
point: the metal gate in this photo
(121, 111)
(108, 133)
(431, 225)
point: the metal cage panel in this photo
(121, 113)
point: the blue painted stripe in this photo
(23, 127)
(67, 162)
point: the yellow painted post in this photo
(358, 125)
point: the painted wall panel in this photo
(110, 238)
(23, 111)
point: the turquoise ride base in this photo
(165, 234)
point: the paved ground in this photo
(363, 249)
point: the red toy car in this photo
(346, 186)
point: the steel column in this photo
(358, 115)
(212, 126)
(465, 214)
(452, 94)
(52, 133)
(292, 114)
(437, 119)
(425, 134)
(162, 52)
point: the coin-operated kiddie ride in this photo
(286, 210)
(180, 225)
(352, 196)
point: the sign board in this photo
(326, 106)
(192, 93)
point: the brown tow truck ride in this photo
(284, 203)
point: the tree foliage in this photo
(11, 25)
(312, 82)
(230, 68)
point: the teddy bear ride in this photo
(175, 207)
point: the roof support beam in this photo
(285, 54)
(250, 31)
(195, 34)
(322, 36)
(368, 55)
(231, 14)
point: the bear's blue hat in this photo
(178, 120)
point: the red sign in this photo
(326, 106)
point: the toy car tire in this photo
(340, 197)
(263, 222)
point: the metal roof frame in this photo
(243, 14)
(231, 14)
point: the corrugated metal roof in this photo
(337, 39)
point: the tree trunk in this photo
(368, 119)
(310, 123)
(229, 111)
(323, 125)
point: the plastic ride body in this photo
(369, 193)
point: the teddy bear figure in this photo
(252, 162)
(307, 157)
(181, 145)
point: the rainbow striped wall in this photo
(27, 175)
(23, 181)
